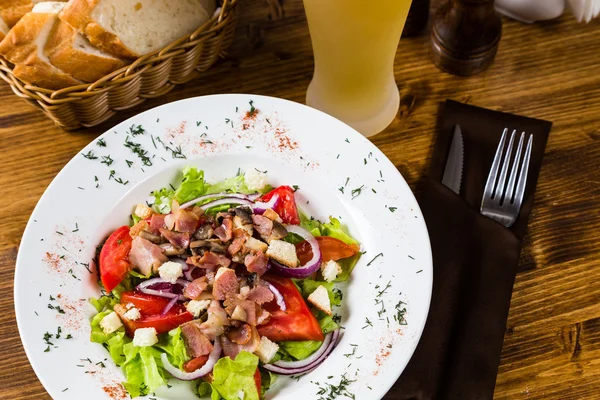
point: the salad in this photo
(227, 285)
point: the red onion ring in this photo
(261, 207)
(302, 366)
(190, 376)
(144, 288)
(307, 269)
(216, 196)
(278, 297)
(169, 305)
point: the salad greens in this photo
(144, 372)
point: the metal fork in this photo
(502, 202)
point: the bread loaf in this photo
(24, 46)
(70, 51)
(132, 28)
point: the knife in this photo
(454, 165)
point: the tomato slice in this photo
(114, 258)
(162, 323)
(195, 363)
(146, 303)
(258, 382)
(331, 249)
(297, 322)
(285, 206)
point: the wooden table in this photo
(549, 71)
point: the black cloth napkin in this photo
(474, 261)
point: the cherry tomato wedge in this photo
(285, 206)
(258, 382)
(146, 303)
(331, 249)
(297, 322)
(195, 363)
(162, 323)
(114, 258)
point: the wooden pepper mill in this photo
(465, 36)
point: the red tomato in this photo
(285, 206)
(162, 323)
(146, 303)
(195, 363)
(114, 258)
(331, 249)
(297, 322)
(258, 382)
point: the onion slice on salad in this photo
(307, 269)
(169, 305)
(261, 207)
(310, 363)
(168, 293)
(217, 196)
(200, 372)
(226, 200)
(278, 297)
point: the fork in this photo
(502, 202)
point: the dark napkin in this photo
(474, 261)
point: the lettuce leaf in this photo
(236, 184)
(174, 346)
(192, 185)
(205, 390)
(335, 229)
(267, 379)
(234, 376)
(143, 370)
(310, 224)
(162, 200)
(308, 286)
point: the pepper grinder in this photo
(465, 36)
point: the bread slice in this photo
(70, 51)
(24, 46)
(11, 11)
(3, 28)
(132, 28)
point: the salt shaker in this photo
(465, 36)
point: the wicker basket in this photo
(147, 77)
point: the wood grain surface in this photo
(547, 70)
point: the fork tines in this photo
(503, 200)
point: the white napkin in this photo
(540, 10)
(584, 10)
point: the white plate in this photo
(298, 146)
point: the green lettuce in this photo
(143, 370)
(308, 286)
(142, 367)
(233, 376)
(192, 185)
(173, 344)
(162, 200)
(236, 184)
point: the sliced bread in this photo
(24, 46)
(132, 28)
(70, 51)
(11, 11)
(3, 28)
